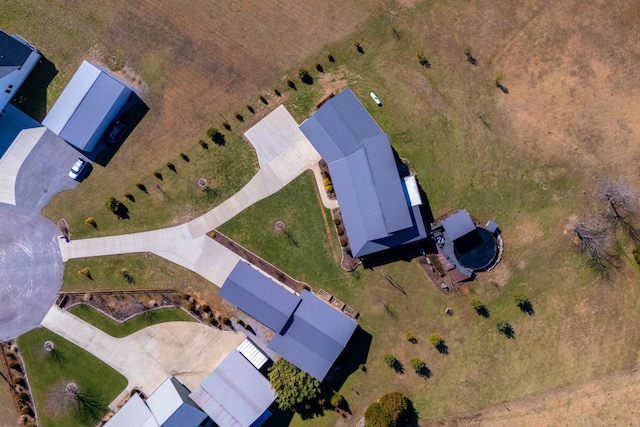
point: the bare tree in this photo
(621, 203)
(594, 240)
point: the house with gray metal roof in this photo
(377, 210)
(235, 394)
(309, 333)
(259, 296)
(314, 337)
(17, 59)
(168, 406)
(92, 100)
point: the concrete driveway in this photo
(32, 169)
(187, 350)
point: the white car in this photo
(77, 168)
(375, 99)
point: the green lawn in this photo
(174, 199)
(148, 271)
(119, 330)
(49, 373)
(303, 249)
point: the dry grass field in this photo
(529, 159)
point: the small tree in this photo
(292, 385)
(86, 272)
(172, 167)
(435, 340)
(522, 301)
(390, 360)
(409, 337)
(92, 222)
(417, 365)
(142, 187)
(331, 58)
(337, 400)
(480, 308)
(158, 175)
(184, 157)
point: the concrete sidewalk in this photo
(187, 350)
(12, 160)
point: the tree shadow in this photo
(122, 212)
(185, 157)
(507, 330)
(442, 347)
(130, 197)
(219, 139)
(57, 357)
(291, 84)
(483, 311)
(526, 307)
(398, 367)
(310, 410)
(172, 167)
(410, 417)
(424, 372)
(89, 409)
(502, 88)
(278, 417)
(31, 98)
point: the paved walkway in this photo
(283, 152)
(187, 350)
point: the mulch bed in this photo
(12, 367)
(263, 265)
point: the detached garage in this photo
(88, 105)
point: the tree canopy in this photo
(292, 385)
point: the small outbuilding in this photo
(235, 394)
(91, 102)
(168, 406)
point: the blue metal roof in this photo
(259, 296)
(363, 171)
(315, 336)
(235, 394)
(458, 225)
(87, 106)
(13, 53)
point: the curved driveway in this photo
(32, 170)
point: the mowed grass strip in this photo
(49, 373)
(122, 329)
(160, 194)
(148, 271)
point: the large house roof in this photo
(13, 53)
(235, 394)
(259, 296)
(315, 336)
(363, 170)
(17, 59)
(87, 106)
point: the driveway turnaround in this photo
(31, 272)
(187, 350)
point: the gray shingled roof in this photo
(315, 336)
(364, 174)
(88, 105)
(235, 394)
(458, 225)
(259, 296)
(13, 54)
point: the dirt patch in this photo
(611, 400)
